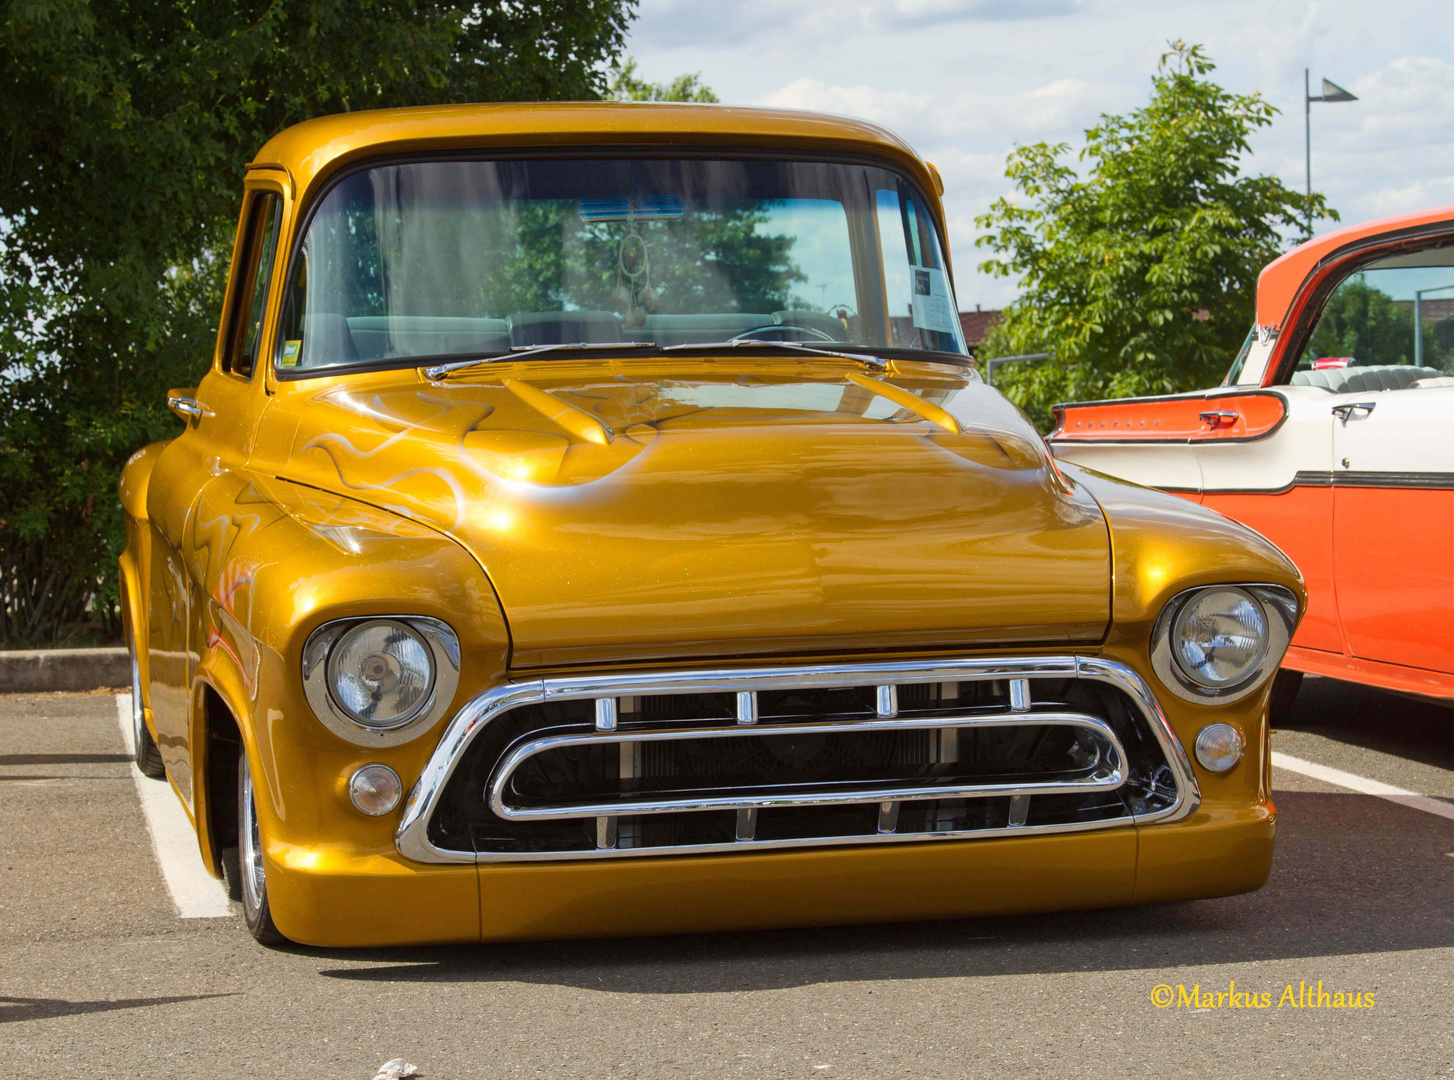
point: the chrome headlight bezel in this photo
(443, 646)
(1279, 607)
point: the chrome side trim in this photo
(412, 840)
(1108, 776)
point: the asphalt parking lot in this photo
(100, 977)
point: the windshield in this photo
(456, 259)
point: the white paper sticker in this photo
(931, 307)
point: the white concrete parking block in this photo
(197, 894)
(1362, 784)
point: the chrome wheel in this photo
(245, 865)
(138, 714)
(254, 875)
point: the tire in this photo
(248, 868)
(1285, 685)
(148, 756)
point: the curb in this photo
(40, 670)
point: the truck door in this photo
(221, 414)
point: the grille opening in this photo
(1060, 809)
(825, 821)
(658, 708)
(816, 703)
(954, 815)
(749, 763)
(936, 697)
(679, 830)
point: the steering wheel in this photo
(784, 332)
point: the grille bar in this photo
(1177, 792)
(1107, 776)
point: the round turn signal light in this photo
(1219, 747)
(376, 789)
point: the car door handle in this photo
(1343, 412)
(187, 408)
(1220, 417)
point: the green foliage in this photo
(627, 86)
(125, 130)
(1362, 321)
(1139, 277)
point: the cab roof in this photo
(315, 148)
(1282, 279)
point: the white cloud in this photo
(924, 12)
(891, 107)
(924, 117)
(964, 81)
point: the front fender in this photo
(270, 562)
(135, 559)
(1162, 544)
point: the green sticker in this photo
(291, 349)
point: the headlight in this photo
(380, 673)
(1219, 637)
(380, 681)
(1223, 641)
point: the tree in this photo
(1140, 276)
(126, 126)
(627, 86)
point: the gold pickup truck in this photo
(592, 522)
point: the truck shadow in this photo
(1415, 729)
(1354, 874)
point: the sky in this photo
(965, 81)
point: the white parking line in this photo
(1361, 783)
(197, 894)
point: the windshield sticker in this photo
(932, 309)
(290, 353)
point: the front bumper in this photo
(330, 899)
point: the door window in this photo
(1388, 326)
(255, 270)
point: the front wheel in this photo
(250, 869)
(148, 756)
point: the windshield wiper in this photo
(520, 352)
(792, 346)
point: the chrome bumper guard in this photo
(1104, 770)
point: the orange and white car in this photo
(1333, 436)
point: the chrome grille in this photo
(672, 763)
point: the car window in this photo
(1388, 326)
(260, 240)
(465, 258)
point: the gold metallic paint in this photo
(668, 513)
(805, 531)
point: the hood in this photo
(632, 511)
